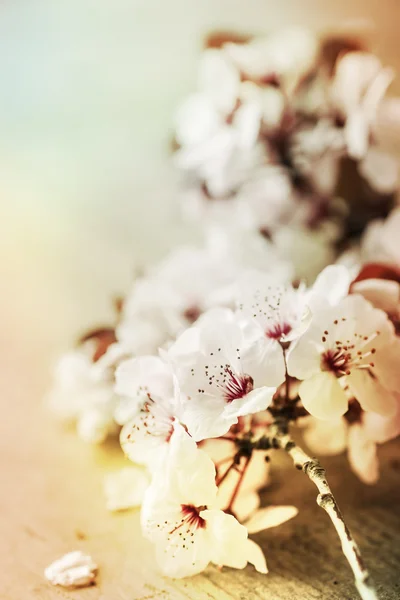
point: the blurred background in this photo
(88, 93)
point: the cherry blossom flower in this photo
(316, 150)
(381, 293)
(223, 370)
(307, 250)
(83, 395)
(217, 128)
(155, 407)
(203, 113)
(347, 349)
(268, 196)
(380, 169)
(173, 295)
(178, 516)
(282, 313)
(287, 55)
(358, 88)
(248, 250)
(380, 240)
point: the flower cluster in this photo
(287, 316)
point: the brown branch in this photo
(239, 483)
(326, 500)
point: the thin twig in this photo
(239, 483)
(225, 475)
(325, 499)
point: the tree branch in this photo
(326, 500)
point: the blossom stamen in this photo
(236, 386)
(191, 518)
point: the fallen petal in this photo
(74, 569)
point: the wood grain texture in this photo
(51, 502)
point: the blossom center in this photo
(156, 421)
(236, 386)
(278, 331)
(336, 361)
(191, 516)
(192, 313)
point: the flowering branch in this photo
(280, 439)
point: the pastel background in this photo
(88, 91)
(87, 94)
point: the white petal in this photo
(381, 170)
(207, 418)
(147, 374)
(381, 429)
(219, 79)
(126, 409)
(304, 358)
(323, 397)
(125, 488)
(357, 132)
(265, 362)
(270, 516)
(145, 439)
(255, 556)
(178, 559)
(371, 394)
(256, 401)
(196, 120)
(362, 455)
(387, 360)
(382, 293)
(74, 569)
(187, 474)
(229, 539)
(331, 285)
(245, 504)
(326, 437)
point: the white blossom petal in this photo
(362, 455)
(270, 516)
(326, 438)
(74, 569)
(371, 394)
(255, 556)
(323, 397)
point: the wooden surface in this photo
(51, 502)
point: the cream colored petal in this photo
(245, 505)
(382, 293)
(270, 516)
(326, 437)
(255, 557)
(228, 539)
(371, 394)
(362, 455)
(323, 397)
